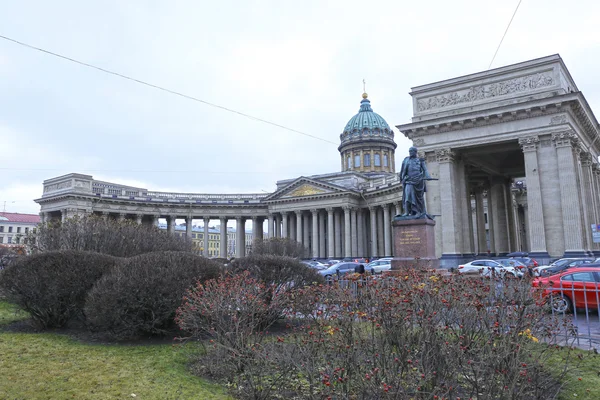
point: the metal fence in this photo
(577, 305)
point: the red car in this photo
(577, 287)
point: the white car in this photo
(378, 266)
(486, 268)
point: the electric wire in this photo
(503, 36)
(174, 92)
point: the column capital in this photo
(372, 208)
(284, 213)
(298, 213)
(314, 211)
(586, 159)
(386, 206)
(329, 209)
(565, 139)
(445, 155)
(595, 167)
(529, 143)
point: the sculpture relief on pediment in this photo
(481, 92)
(305, 190)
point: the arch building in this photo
(515, 150)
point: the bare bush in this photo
(141, 297)
(285, 247)
(107, 236)
(52, 286)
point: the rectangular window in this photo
(10, 229)
(1, 239)
(385, 160)
(9, 239)
(377, 160)
(367, 162)
(349, 162)
(26, 230)
(1, 229)
(18, 229)
(357, 161)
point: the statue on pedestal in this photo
(413, 175)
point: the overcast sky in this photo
(296, 63)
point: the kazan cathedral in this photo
(514, 151)
(342, 214)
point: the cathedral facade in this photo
(514, 151)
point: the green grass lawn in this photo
(51, 366)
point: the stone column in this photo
(122, 216)
(284, 224)
(315, 233)
(361, 233)
(450, 219)
(330, 233)
(398, 208)
(480, 222)
(500, 225)
(587, 197)
(380, 231)
(306, 232)
(255, 230)
(373, 213)
(347, 233)
(299, 226)
(138, 218)
(223, 238)
(240, 237)
(338, 233)
(569, 193)
(188, 227)
(171, 223)
(205, 245)
(353, 232)
(322, 238)
(387, 228)
(278, 225)
(270, 227)
(535, 214)
(292, 226)
(491, 211)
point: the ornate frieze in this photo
(57, 186)
(418, 142)
(529, 143)
(565, 138)
(558, 119)
(482, 92)
(444, 155)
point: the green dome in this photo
(366, 124)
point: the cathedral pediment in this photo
(305, 187)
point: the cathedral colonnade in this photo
(329, 232)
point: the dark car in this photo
(566, 264)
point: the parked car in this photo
(378, 266)
(488, 268)
(339, 269)
(314, 264)
(524, 258)
(573, 288)
(516, 268)
(561, 265)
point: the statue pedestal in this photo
(414, 244)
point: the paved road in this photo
(588, 329)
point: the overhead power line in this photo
(503, 36)
(208, 103)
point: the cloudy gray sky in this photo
(299, 64)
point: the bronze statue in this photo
(413, 175)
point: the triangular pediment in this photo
(305, 187)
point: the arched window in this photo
(367, 162)
(385, 160)
(356, 160)
(377, 160)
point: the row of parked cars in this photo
(333, 267)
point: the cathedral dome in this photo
(366, 119)
(367, 143)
